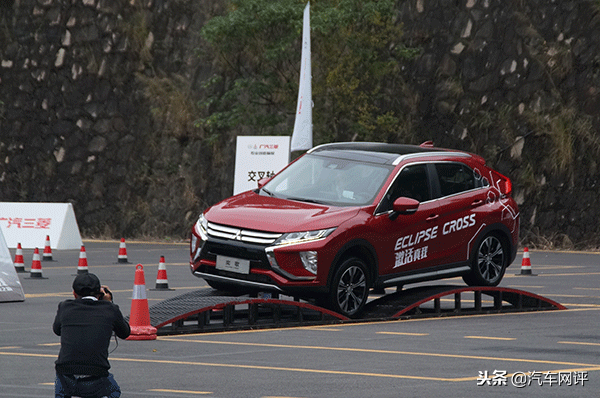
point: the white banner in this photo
(302, 136)
(258, 157)
(30, 223)
(10, 285)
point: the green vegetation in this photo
(565, 128)
(137, 31)
(171, 105)
(357, 54)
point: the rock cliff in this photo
(98, 103)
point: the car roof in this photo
(382, 153)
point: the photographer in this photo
(85, 326)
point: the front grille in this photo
(256, 256)
(243, 235)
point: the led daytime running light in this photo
(293, 238)
(201, 227)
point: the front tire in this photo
(349, 287)
(489, 262)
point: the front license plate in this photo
(231, 264)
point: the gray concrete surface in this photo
(443, 357)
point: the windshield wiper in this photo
(319, 202)
(268, 192)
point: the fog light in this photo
(309, 261)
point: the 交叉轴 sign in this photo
(258, 157)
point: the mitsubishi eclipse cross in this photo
(347, 217)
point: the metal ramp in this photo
(209, 310)
(434, 301)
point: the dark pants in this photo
(67, 386)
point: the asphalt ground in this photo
(549, 354)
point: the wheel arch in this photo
(502, 232)
(359, 248)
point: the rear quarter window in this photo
(455, 178)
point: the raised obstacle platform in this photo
(209, 310)
(434, 301)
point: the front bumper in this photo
(282, 278)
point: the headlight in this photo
(293, 238)
(201, 227)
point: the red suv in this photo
(347, 217)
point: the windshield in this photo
(332, 181)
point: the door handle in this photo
(476, 203)
(432, 217)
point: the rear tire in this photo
(489, 262)
(349, 289)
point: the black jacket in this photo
(85, 327)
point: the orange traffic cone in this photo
(19, 264)
(122, 257)
(526, 263)
(139, 320)
(161, 278)
(82, 265)
(47, 255)
(36, 266)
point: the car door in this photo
(407, 242)
(462, 194)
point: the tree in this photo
(357, 55)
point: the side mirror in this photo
(404, 205)
(263, 181)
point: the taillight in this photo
(507, 187)
(504, 184)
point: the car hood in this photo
(264, 213)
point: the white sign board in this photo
(258, 157)
(30, 223)
(10, 285)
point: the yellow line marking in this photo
(329, 372)
(134, 242)
(70, 294)
(117, 265)
(364, 350)
(578, 343)
(48, 344)
(572, 274)
(323, 328)
(526, 287)
(490, 338)
(9, 347)
(570, 295)
(180, 391)
(556, 266)
(404, 334)
(254, 367)
(439, 319)
(582, 305)
(561, 251)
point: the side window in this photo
(457, 177)
(412, 182)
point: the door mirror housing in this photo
(405, 206)
(263, 181)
